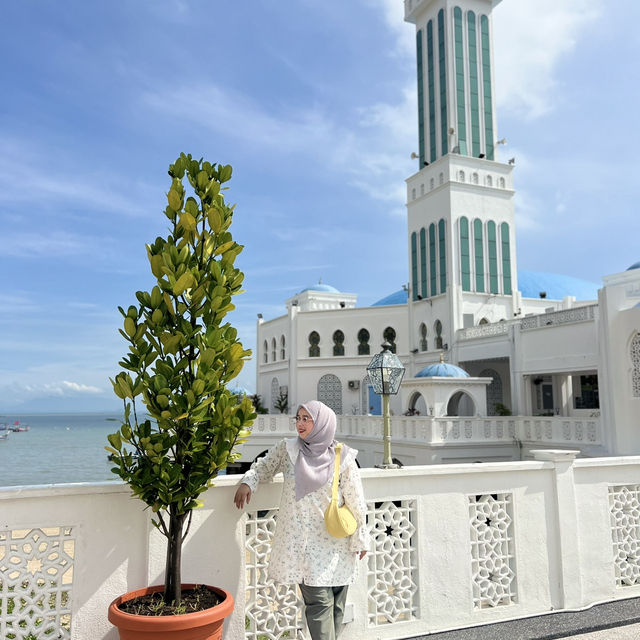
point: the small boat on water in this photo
(17, 427)
(4, 436)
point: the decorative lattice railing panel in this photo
(392, 564)
(36, 577)
(492, 550)
(272, 611)
(624, 502)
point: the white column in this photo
(566, 522)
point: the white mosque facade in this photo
(531, 344)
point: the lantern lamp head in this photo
(386, 371)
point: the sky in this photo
(313, 103)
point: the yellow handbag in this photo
(340, 522)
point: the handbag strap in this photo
(336, 474)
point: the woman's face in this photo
(304, 423)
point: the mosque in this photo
(477, 336)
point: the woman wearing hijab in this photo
(303, 552)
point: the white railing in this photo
(425, 430)
(454, 545)
(566, 316)
(485, 331)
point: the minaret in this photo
(460, 202)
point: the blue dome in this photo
(241, 391)
(556, 286)
(321, 287)
(442, 370)
(635, 265)
(398, 297)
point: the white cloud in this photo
(21, 393)
(43, 182)
(530, 39)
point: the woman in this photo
(303, 552)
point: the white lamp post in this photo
(386, 372)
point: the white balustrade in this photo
(453, 545)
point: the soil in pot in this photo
(194, 599)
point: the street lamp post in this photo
(385, 373)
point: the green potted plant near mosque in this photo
(182, 356)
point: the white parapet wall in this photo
(454, 545)
(427, 440)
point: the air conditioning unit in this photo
(354, 384)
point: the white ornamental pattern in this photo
(36, 576)
(492, 550)
(624, 501)
(392, 564)
(635, 363)
(272, 610)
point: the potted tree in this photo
(181, 357)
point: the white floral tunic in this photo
(303, 550)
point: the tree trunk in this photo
(173, 576)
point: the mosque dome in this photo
(241, 391)
(398, 297)
(326, 288)
(556, 286)
(442, 370)
(635, 265)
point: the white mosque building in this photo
(512, 342)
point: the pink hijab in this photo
(314, 465)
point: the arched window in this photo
(265, 352)
(486, 86)
(437, 327)
(483, 321)
(493, 256)
(282, 348)
(494, 391)
(414, 265)
(441, 178)
(314, 344)
(423, 263)
(442, 68)
(273, 349)
(489, 181)
(442, 252)
(413, 194)
(363, 342)
(474, 91)
(461, 127)
(474, 178)
(465, 256)
(478, 246)
(432, 184)
(275, 392)
(338, 343)
(422, 189)
(389, 335)
(433, 278)
(364, 395)
(635, 363)
(330, 392)
(423, 337)
(506, 259)
(461, 176)
(501, 183)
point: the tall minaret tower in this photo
(460, 202)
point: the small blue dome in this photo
(442, 370)
(635, 265)
(532, 283)
(321, 287)
(398, 297)
(241, 391)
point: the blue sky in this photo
(313, 102)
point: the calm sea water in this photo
(57, 448)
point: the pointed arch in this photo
(330, 392)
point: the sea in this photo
(57, 448)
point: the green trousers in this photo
(324, 610)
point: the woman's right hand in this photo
(243, 495)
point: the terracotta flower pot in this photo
(200, 625)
